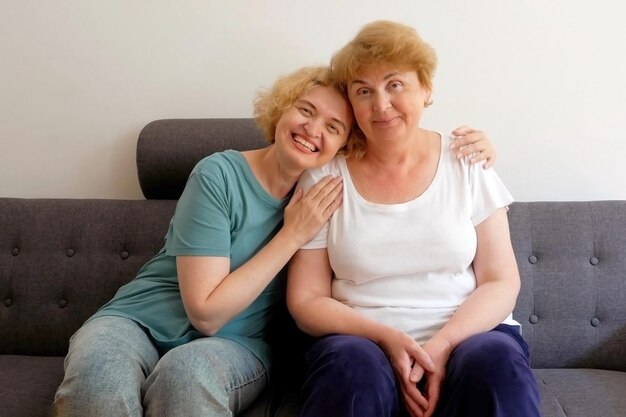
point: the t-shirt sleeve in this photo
(307, 180)
(488, 193)
(201, 222)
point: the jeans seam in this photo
(251, 381)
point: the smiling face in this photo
(388, 103)
(314, 127)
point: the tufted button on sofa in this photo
(61, 259)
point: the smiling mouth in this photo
(385, 122)
(311, 147)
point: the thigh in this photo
(349, 376)
(106, 364)
(208, 376)
(489, 351)
(347, 354)
(489, 375)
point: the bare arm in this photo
(310, 302)
(212, 295)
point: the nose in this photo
(381, 101)
(313, 128)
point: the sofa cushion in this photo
(28, 384)
(581, 392)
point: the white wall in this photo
(79, 79)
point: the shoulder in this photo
(462, 167)
(313, 175)
(219, 162)
(221, 168)
(215, 176)
(331, 168)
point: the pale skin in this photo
(399, 165)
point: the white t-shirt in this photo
(409, 265)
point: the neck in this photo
(400, 154)
(276, 178)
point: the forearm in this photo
(320, 316)
(310, 301)
(241, 287)
(484, 309)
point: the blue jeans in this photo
(487, 375)
(113, 369)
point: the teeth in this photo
(306, 144)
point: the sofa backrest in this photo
(572, 260)
(168, 149)
(61, 259)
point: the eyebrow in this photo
(386, 77)
(315, 108)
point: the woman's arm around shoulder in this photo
(212, 294)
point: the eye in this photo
(394, 85)
(363, 91)
(305, 111)
(332, 129)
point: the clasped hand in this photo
(418, 367)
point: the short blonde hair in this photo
(388, 43)
(270, 105)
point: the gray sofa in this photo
(60, 259)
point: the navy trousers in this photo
(487, 375)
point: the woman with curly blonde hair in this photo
(186, 336)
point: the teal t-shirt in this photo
(223, 211)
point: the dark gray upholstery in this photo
(572, 257)
(572, 306)
(167, 150)
(60, 259)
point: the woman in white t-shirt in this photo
(411, 285)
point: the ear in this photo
(428, 97)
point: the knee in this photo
(490, 372)
(209, 376)
(349, 376)
(350, 357)
(95, 389)
(494, 361)
(179, 373)
(91, 377)
(352, 363)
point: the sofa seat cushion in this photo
(581, 392)
(28, 384)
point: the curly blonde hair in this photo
(270, 105)
(382, 42)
